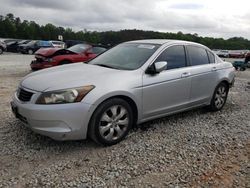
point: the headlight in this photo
(64, 96)
(49, 60)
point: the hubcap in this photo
(220, 96)
(114, 123)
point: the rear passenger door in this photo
(204, 74)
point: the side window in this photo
(211, 57)
(98, 50)
(197, 55)
(175, 56)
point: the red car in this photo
(49, 57)
(247, 59)
(237, 54)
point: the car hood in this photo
(47, 51)
(23, 45)
(70, 76)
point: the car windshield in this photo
(127, 56)
(79, 48)
(31, 43)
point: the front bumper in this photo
(35, 65)
(59, 122)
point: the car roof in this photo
(164, 41)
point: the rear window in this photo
(197, 55)
(44, 43)
(211, 57)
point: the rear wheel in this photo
(219, 97)
(30, 52)
(111, 122)
(1, 50)
(242, 68)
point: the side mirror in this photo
(157, 67)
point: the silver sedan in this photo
(129, 84)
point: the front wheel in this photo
(219, 97)
(111, 122)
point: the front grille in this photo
(24, 95)
(39, 58)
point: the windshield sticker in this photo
(151, 47)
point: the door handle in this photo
(214, 68)
(185, 74)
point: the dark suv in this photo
(33, 46)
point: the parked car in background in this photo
(222, 53)
(58, 44)
(14, 45)
(247, 59)
(10, 40)
(69, 43)
(33, 46)
(2, 47)
(236, 54)
(50, 57)
(132, 83)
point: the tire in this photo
(1, 50)
(30, 52)
(242, 68)
(64, 62)
(219, 97)
(247, 61)
(111, 122)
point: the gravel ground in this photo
(190, 149)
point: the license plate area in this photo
(14, 109)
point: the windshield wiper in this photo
(107, 66)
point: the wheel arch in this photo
(68, 60)
(126, 98)
(225, 81)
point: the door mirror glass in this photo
(160, 66)
(157, 67)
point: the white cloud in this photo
(206, 17)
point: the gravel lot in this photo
(190, 149)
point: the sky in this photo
(213, 18)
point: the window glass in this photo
(197, 55)
(79, 48)
(211, 57)
(98, 50)
(126, 56)
(175, 57)
(43, 43)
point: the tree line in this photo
(14, 27)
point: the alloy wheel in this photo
(30, 52)
(220, 96)
(114, 123)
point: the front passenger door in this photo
(169, 90)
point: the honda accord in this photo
(129, 84)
